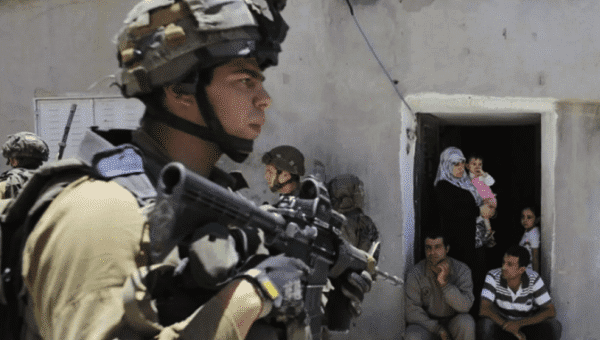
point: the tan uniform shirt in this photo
(83, 250)
(78, 256)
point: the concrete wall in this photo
(334, 102)
(575, 277)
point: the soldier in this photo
(24, 152)
(347, 197)
(284, 165)
(198, 68)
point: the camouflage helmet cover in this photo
(164, 40)
(285, 158)
(347, 192)
(25, 145)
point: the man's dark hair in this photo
(521, 252)
(435, 233)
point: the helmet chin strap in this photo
(238, 149)
(278, 185)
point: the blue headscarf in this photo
(448, 158)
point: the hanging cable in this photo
(411, 134)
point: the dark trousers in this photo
(549, 329)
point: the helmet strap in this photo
(277, 186)
(238, 149)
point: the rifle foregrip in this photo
(186, 201)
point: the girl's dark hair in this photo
(533, 210)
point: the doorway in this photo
(511, 150)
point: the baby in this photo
(482, 182)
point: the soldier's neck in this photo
(196, 154)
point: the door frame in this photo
(466, 106)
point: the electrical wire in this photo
(392, 81)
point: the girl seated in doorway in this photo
(531, 237)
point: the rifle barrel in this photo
(63, 143)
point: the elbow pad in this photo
(212, 255)
(248, 241)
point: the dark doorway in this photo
(512, 155)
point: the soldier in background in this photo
(284, 165)
(347, 197)
(24, 152)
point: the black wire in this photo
(394, 82)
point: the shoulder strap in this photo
(122, 163)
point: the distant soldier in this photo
(24, 152)
(347, 197)
(284, 166)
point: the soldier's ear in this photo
(175, 95)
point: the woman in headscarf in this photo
(459, 205)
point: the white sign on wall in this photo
(106, 113)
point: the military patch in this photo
(119, 162)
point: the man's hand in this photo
(444, 335)
(345, 300)
(354, 288)
(514, 328)
(444, 271)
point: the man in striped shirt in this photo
(515, 303)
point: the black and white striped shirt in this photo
(532, 294)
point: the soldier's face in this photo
(271, 175)
(238, 97)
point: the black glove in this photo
(282, 280)
(344, 301)
(354, 288)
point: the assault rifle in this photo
(303, 227)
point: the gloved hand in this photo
(354, 288)
(345, 300)
(282, 280)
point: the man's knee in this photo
(485, 329)
(556, 328)
(462, 327)
(416, 332)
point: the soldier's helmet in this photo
(25, 145)
(347, 192)
(168, 42)
(163, 41)
(285, 158)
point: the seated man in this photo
(439, 295)
(515, 302)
